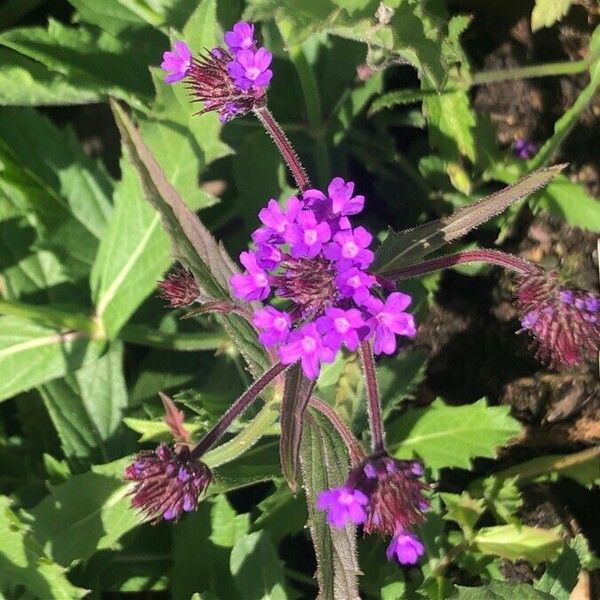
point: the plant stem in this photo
(492, 257)
(284, 146)
(531, 72)
(373, 401)
(236, 409)
(355, 450)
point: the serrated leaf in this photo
(23, 562)
(500, 590)
(502, 497)
(399, 98)
(132, 256)
(89, 512)
(463, 509)
(87, 407)
(257, 570)
(407, 247)
(451, 436)
(193, 245)
(324, 463)
(547, 12)
(570, 202)
(296, 395)
(560, 576)
(31, 354)
(515, 542)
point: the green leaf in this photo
(407, 247)
(570, 202)
(25, 82)
(94, 61)
(89, 512)
(451, 436)
(228, 526)
(132, 256)
(399, 98)
(193, 245)
(155, 431)
(87, 407)
(48, 173)
(560, 576)
(31, 354)
(515, 542)
(352, 5)
(500, 590)
(502, 497)
(256, 568)
(296, 394)
(547, 12)
(23, 562)
(324, 463)
(463, 509)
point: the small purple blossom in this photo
(524, 149)
(354, 283)
(254, 283)
(241, 37)
(168, 482)
(407, 548)
(251, 69)
(274, 325)
(177, 63)
(342, 202)
(306, 345)
(351, 246)
(389, 320)
(343, 505)
(340, 326)
(306, 236)
(277, 219)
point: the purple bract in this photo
(308, 253)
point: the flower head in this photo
(564, 323)
(230, 82)
(177, 63)
(384, 495)
(179, 288)
(168, 482)
(523, 148)
(309, 254)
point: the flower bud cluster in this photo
(564, 323)
(309, 256)
(384, 495)
(230, 82)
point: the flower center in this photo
(350, 250)
(310, 236)
(260, 279)
(252, 73)
(342, 325)
(280, 324)
(309, 345)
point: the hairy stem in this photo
(236, 409)
(373, 401)
(492, 257)
(355, 450)
(284, 146)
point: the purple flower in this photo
(268, 256)
(343, 505)
(306, 236)
(277, 219)
(168, 482)
(389, 320)
(354, 283)
(563, 322)
(342, 202)
(524, 149)
(252, 285)
(275, 325)
(306, 345)
(340, 326)
(177, 63)
(251, 69)
(241, 37)
(407, 548)
(351, 246)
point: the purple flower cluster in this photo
(309, 254)
(168, 482)
(384, 495)
(565, 323)
(230, 82)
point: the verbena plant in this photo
(296, 332)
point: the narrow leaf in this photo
(406, 247)
(324, 462)
(398, 98)
(500, 590)
(296, 395)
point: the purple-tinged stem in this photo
(373, 402)
(284, 146)
(492, 257)
(236, 409)
(357, 454)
